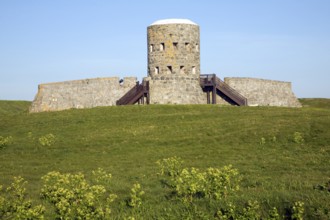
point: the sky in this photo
(44, 41)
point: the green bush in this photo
(262, 141)
(15, 205)
(221, 182)
(298, 138)
(47, 140)
(135, 199)
(189, 183)
(170, 166)
(75, 198)
(297, 211)
(5, 141)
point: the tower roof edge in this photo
(173, 21)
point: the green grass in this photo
(14, 107)
(127, 141)
(316, 103)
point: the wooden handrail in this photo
(134, 94)
(214, 81)
(232, 93)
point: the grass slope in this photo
(13, 107)
(128, 140)
(316, 103)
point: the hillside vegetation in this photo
(281, 154)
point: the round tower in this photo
(173, 49)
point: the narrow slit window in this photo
(169, 70)
(151, 48)
(156, 70)
(186, 45)
(197, 47)
(182, 71)
(175, 45)
(193, 70)
(162, 47)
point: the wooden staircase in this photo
(138, 94)
(211, 83)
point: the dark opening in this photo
(162, 46)
(182, 70)
(169, 69)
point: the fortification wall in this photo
(85, 93)
(175, 90)
(261, 92)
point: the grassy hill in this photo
(261, 142)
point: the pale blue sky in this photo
(56, 40)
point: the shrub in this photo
(47, 140)
(189, 183)
(251, 211)
(297, 210)
(5, 141)
(15, 205)
(74, 198)
(262, 141)
(298, 138)
(135, 199)
(228, 212)
(171, 166)
(221, 182)
(273, 214)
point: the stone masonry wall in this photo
(175, 90)
(85, 93)
(173, 49)
(261, 92)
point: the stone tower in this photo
(174, 62)
(173, 48)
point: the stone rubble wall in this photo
(175, 90)
(261, 92)
(176, 46)
(87, 93)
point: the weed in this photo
(135, 199)
(262, 141)
(15, 205)
(47, 140)
(298, 138)
(5, 141)
(297, 210)
(75, 198)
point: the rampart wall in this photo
(261, 92)
(85, 93)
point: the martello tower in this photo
(173, 48)
(174, 62)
